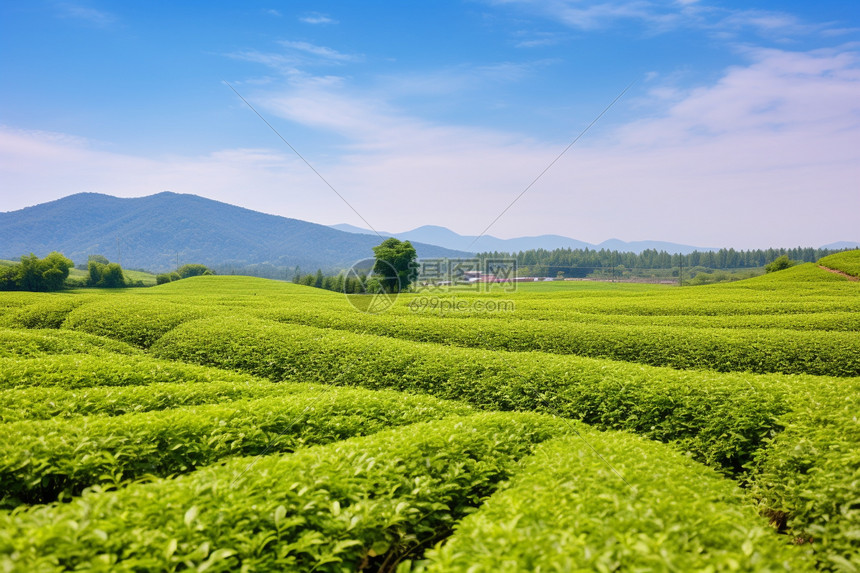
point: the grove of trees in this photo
(35, 274)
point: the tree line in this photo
(580, 262)
(52, 273)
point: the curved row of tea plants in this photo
(88, 371)
(134, 320)
(34, 343)
(359, 503)
(43, 460)
(566, 509)
(47, 402)
(42, 310)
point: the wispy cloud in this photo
(272, 12)
(535, 39)
(658, 16)
(99, 18)
(597, 15)
(317, 18)
(321, 52)
(773, 25)
(295, 57)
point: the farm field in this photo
(237, 424)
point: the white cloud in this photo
(317, 18)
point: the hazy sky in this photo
(742, 128)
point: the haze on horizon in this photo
(742, 128)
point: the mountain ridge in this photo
(152, 232)
(445, 237)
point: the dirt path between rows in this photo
(834, 271)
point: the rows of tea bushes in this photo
(88, 371)
(135, 320)
(791, 333)
(807, 479)
(720, 418)
(142, 321)
(35, 343)
(43, 310)
(43, 460)
(566, 509)
(808, 276)
(428, 321)
(754, 350)
(848, 263)
(47, 402)
(362, 503)
(723, 420)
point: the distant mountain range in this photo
(445, 237)
(155, 232)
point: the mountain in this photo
(842, 245)
(445, 237)
(154, 232)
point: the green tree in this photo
(35, 274)
(161, 279)
(105, 275)
(112, 276)
(99, 259)
(396, 265)
(9, 278)
(779, 264)
(95, 269)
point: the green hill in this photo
(847, 262)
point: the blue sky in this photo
(742, 128)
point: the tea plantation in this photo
(236, 424)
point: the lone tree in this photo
(395, 265)
(779, 264)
